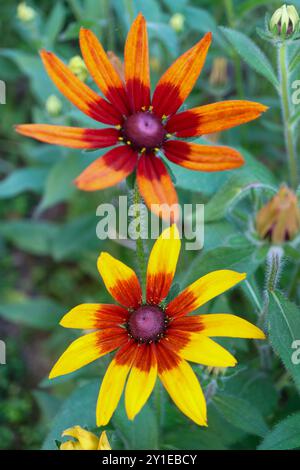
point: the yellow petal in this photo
(70, 445)
(113, 383)
(203, 290)
(87, 349)
(103, 442)
(203, 350)
(86, 439)
(224, 324)
(182, 385)
(94, 316)
(120, 281)
(141, 380)
(162, 264)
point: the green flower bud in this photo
(285, 21)
(177, 22)
(78, 67)
(53, 105)
(25, 13)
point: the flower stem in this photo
(140, 246)
(286, 113)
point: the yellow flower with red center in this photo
(279, 219)
(84, 440)
(153, 339)
(144, 128)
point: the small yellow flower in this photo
(285, 21)
(279, 219)
(25, 13)
(78, 67)
(53, 105)
(85, 440)
(177, 22)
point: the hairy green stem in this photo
(286, 114)
(140, 247)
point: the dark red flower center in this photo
(147, 324)
(144, 130)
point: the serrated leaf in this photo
(284, 330)
(251, 54)
(284, 436)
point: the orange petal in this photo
(120, 281)
(137, 72)
(141, 379)
(156, 187)
(73, 137)
(203, 290)
(214, 118)
(108, 170)
(162, 265)
(94, 316)
(177, 82)
(182, 384)
(202, 157)
(113, 383)
(102, 71)
(87, 349)
(77, 92)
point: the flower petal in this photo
(162, 265)
(198, 348)
(224, 324)
(141, 379)
(202, 157)
(177, 82)
(108, 170)
(203, 290)
(120, 281)
(182, 385)
(102, 71)
(137, 72)
(87, 349)
(113, 383)
(87, 440)
(94, 316)
(73, 137)
(104, 442)
(214, 118)
(78, 93)
(156, 187)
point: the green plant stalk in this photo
(140, 248)
(286, 114)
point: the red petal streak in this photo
(73, 137)
(102, 71)
(83, 97)
(202, 157)
(108, 170)
(214, 118)
(189, 323)
(137, 72)
(111, 339)
(110, 314)
(156, 187)
(177, 82)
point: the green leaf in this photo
(284, 330)
(30, 235)
(241, 414)
(78, 409)
(284, 436)
(20, 180)
(41, 313)
(201, 20)
(54, 24)
(251, 54)
(135, 433)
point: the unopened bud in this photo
(177, 22)
(25, 13)
(78, 67)
(53, 105)
(285, 21)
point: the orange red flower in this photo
(153, 338)
(141, 128)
